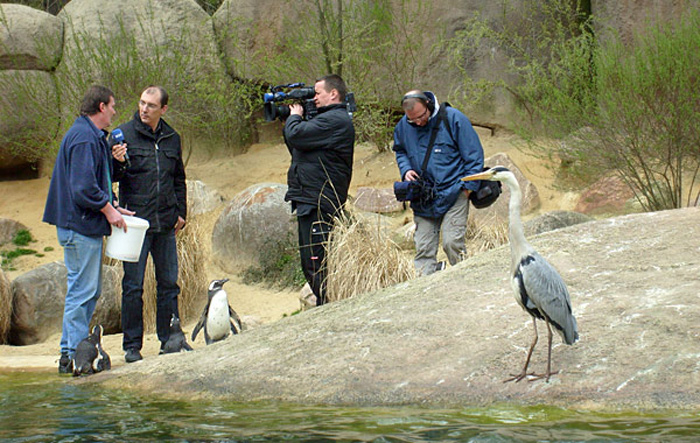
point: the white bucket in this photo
(126, 246)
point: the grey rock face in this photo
(453, 337)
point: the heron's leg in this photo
(549, 357)
(524, 373)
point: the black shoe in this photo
(132, 355)
(439, 266)
(65, 364)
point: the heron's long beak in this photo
(486, 175)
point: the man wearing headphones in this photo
(437, 143)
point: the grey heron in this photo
(538, 287)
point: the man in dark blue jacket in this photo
(456, 152)
(80, 205)
(151, 183)
(319, 176)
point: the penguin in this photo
(177, 341)
(88, 350)
(218, 318)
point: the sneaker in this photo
(65, 364)
(441, 265)
(132, 355)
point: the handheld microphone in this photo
(118, 136)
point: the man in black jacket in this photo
(151, 180)
(319, 176)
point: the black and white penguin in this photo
(88, 350)
(218, 318)
(177, 341)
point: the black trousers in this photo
(314, 229)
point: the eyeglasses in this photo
(417, 119)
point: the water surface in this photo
(48, 408)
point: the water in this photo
(45, 408)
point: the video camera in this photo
(299, 93)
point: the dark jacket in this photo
(450, 160)
(80, 182)
(322, 152)
(153, 183)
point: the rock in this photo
(5, 306)
(38, 298)
(608, 195)
(451, 338)
(257, 218)
(30, 39)
(201, 198)
(377, 200)
(498, 212)
(553, 220)
(8, 229)
(307, 298)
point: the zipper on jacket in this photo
(157, 184)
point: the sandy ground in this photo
(23, 201)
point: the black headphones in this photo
(423, 98)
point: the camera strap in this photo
(441, 117)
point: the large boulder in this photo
(5, 306)
(29, 39)
(498, 212)
(451, 338)
(38, 298)
(106, 40)
(255, 220)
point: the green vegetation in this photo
(22, 238)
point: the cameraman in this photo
(456, 152)
(319, 176)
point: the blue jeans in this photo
(82, 256)
(163, 251)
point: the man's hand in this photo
(119, 152)
(296, 109)
(179, 224)
(411, 175)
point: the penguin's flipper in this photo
(199, 325)
(236, 325)
(104, 363)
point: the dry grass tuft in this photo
(484, 236)
(5, 306)
(362, 258)
(192, 276)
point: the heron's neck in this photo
(518, 244)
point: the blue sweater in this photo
(80, 183)
(449, 162)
